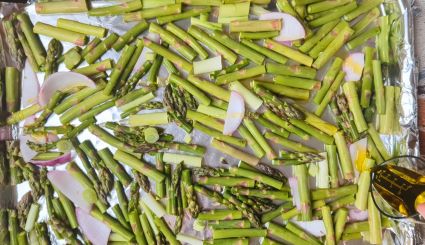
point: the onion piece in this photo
(355, 214)
(154, 37)
(70, 187)
(353, 67)
(292, 29)
(235, 113)
(43, 138)
(315, 227)
(292, 181)
(30, 86)
(65, 158)
(30, 120)
(26, 152)
(96, 231)
(62, 81)
(286, 43)
(358, 153)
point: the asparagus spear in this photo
(54, 50)
(32, 38)
(16, 53)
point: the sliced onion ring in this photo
(28, 154)
(62, 81)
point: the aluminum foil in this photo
(406, 232)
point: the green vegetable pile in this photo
(231, 48)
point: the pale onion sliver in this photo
(70, 187)
(292, 29)
(30, 86)
(62, 81)
(95, 230)
(235, 113)
(353, 67)
(315, 227)
(252, 101)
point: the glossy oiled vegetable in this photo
(198, 86)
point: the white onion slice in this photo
(292, 181)
(62, 81)
(353, 66)
(235, 113)
(30, 86)
(70, 187)
(292, 29)
(315, 227)
(96, 231)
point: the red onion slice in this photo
(292, 29)
(70, 187)
(65, 158)
(62, 81)
(26, 152)
(355, 215)
(30, 86)
(96, 231)
(353, 67)
(235, 113)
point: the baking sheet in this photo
(406, 233)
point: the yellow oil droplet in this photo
(359, 159)
(357, 68)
